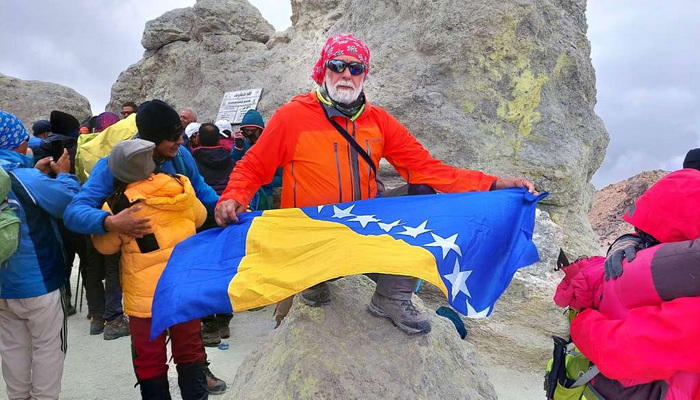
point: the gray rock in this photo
(342, 352)
(34, 100)
(506, 87)
(170, 27)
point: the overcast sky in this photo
(644, 51)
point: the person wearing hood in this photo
(251, 128)
(212, 158)
(170, 204)
(32, 319)
(640, 326)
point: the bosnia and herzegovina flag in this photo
(467, 244)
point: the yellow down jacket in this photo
(169, 201)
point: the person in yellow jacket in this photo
(173, 211)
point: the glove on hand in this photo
(625, 246)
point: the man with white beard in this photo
(329, 143)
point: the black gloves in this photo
(625, 246)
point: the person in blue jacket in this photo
(32, 317)
(159, 123)
(156, 122)
(251, 128)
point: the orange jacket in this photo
(319, 167)
(174, 213)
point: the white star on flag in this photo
(413, 232)
(340, 213)
(458, 279)
(388, 227)
(364, 219)
(472, 313)
(446, 244)
(320, 208)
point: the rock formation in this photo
(612, 202)
(507, 87)
(34, 100)
(342, 352)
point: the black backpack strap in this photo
(352, 142)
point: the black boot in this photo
(155, 389)
(193, 381)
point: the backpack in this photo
(9, 222)
(94, 146)
(568, 373)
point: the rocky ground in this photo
(611, 202)
(99, 369)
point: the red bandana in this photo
(340, 45)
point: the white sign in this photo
(235, 104)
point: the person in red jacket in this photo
(328, 143)
(641, 327)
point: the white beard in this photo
(343, 95)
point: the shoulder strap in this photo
(352, 142)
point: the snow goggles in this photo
(338, 66)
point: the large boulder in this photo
(342, 352)
(34, 100)
(503, 86)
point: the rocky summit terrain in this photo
(506, 87)
(613, 201)
(34, 100)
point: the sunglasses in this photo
(338, 66)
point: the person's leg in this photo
(116, 324)
(47, 325)
(15, 350)
(150, 359)
(93, 274)
(190, 358)
(223, 321)
(113, 289)
(392, 298)
(211, 336)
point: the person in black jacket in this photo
(212, 158)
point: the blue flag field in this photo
(467, 244)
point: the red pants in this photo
(151, 359)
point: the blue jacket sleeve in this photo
(236, 153)
(52, 195)
(204, 192)
(84, 214)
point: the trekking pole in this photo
(79, 292)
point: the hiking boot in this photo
(214, 384)
(225, 332)
(117, 328)
(316, 296)
(192, 380)
(155, 389)
(97, 325)
(211, 336)
(70, 310)
(401, 312)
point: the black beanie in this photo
(692, 159)
(64, 123)
(157, 121)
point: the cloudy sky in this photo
(644, 52)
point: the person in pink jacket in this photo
(642, 328)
